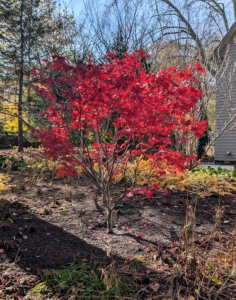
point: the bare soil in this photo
(47, 223)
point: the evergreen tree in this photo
(30, 30)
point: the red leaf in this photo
(140, 234)
(130, 195)
(95, 146)
(131, 112)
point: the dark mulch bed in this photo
(46, 224)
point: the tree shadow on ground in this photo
(34, 244)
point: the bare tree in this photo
(196, 35)
(126, 21)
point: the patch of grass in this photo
(39, 289)
(134, 265)
(85, 280)
(12, 163)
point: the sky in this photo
(75, 5)
(78, 5)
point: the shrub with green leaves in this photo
(12, 163)
(219, 172)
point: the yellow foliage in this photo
(142, 171)
(79, 169)
(43, 164)
(3, 180)
(2, 186)
(10, 118)
(139, 172)
(202, 184)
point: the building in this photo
(225, 145)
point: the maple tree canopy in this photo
(116, 100)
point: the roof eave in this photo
(225, 39)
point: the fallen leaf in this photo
(129, 195)
(174, 250)
(155, 286)
(73, 297)
(164, 276)
(109, 252)
(124, 269)
(140, 234)
(32, 279)
(197, 292)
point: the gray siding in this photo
(226, 103)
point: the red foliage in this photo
(143, 108)
(199, 68)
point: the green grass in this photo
(86, 280)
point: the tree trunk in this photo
(109, 221)
(106, 197)
(234, 7)
(204, 139)
(21, 75)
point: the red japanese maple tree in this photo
(107, 113)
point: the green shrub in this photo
(13, 163)
(219, 172)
